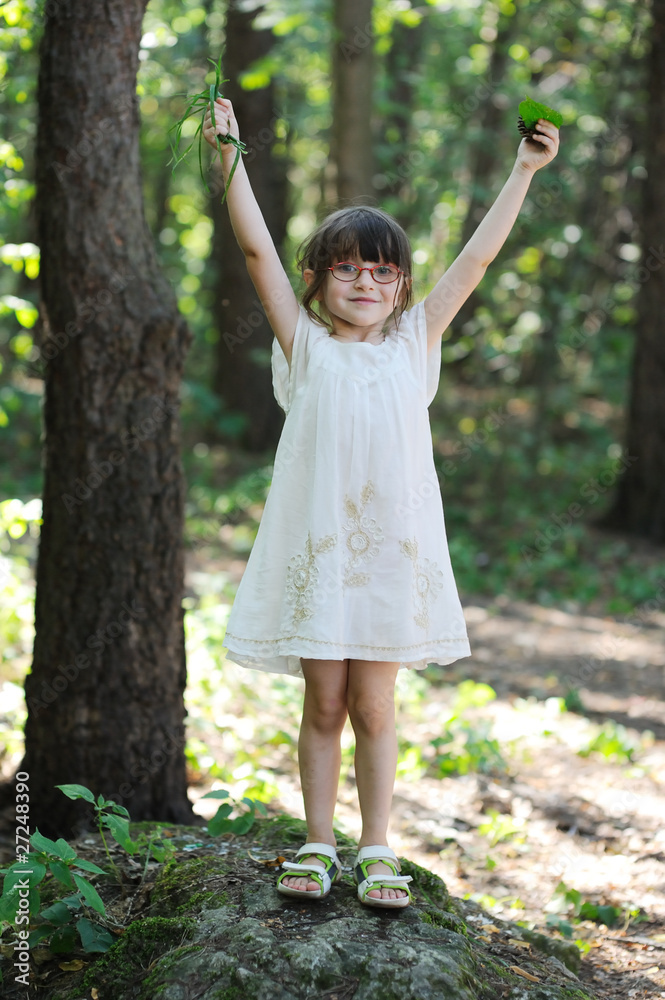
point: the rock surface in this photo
(214, 928)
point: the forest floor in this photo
(554, 816)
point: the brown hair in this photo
(362, 230)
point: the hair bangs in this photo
(369, 238)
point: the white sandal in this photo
(316, 873)
(368, 856)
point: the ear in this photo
(308, 277)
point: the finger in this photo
(547, 128)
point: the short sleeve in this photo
(287, 379)
(426, 365)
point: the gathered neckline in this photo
(364, 343)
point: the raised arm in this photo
(466, 271)
(263, 264)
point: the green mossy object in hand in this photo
(529, 113)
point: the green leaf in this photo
(220, 794)
(562, 926)
(243, 824)
(89, 866)
(61, 871)
(64, 850)
(93, 937)
(120, 810)
(531, 111)
(34, 901)
(608, 915)
(218, 825)
(90, 894)
(220, 822)
(34, 871)
(160, 852)
(120, 832)
(77, 792)
(39, 933)
(73, 902)
(9, 907)
(63, 940)
(44, 844)
(58, 913)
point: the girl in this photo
(349, 578)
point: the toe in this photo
(303, 882)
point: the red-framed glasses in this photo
(384, 274)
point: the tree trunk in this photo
(639, 506)
(352, 83)
(105, 695)
(482, 164)
(401, 69)
(243, 377)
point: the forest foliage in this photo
(528, 424)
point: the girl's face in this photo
(362, 302)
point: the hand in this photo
(536, 152)
(225, 124)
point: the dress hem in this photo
(287, 661)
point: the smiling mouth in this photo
(364, 300)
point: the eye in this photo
(383, 270)
(344, 268)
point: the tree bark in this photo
(639, 504)
(105, 695)
(352, 83)
(401, 69)
(243, 378)
(482, 165)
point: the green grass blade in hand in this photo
(198, 104)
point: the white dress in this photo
(351, 558)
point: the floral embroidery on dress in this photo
(427, 581)
(302, 576)
(363, 537)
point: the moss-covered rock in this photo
(429, 888)
(178, 887)
(566, 951)
(121, 969)
(218, 930)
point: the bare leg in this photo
(371, 705)
(319, 752)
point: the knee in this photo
(327, 715)
(372, 716)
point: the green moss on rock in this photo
(443, 918)
(566, 951)
(279, 832)
(128, 961)
(183, 887)
(428, 888)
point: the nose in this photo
(361, 273)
